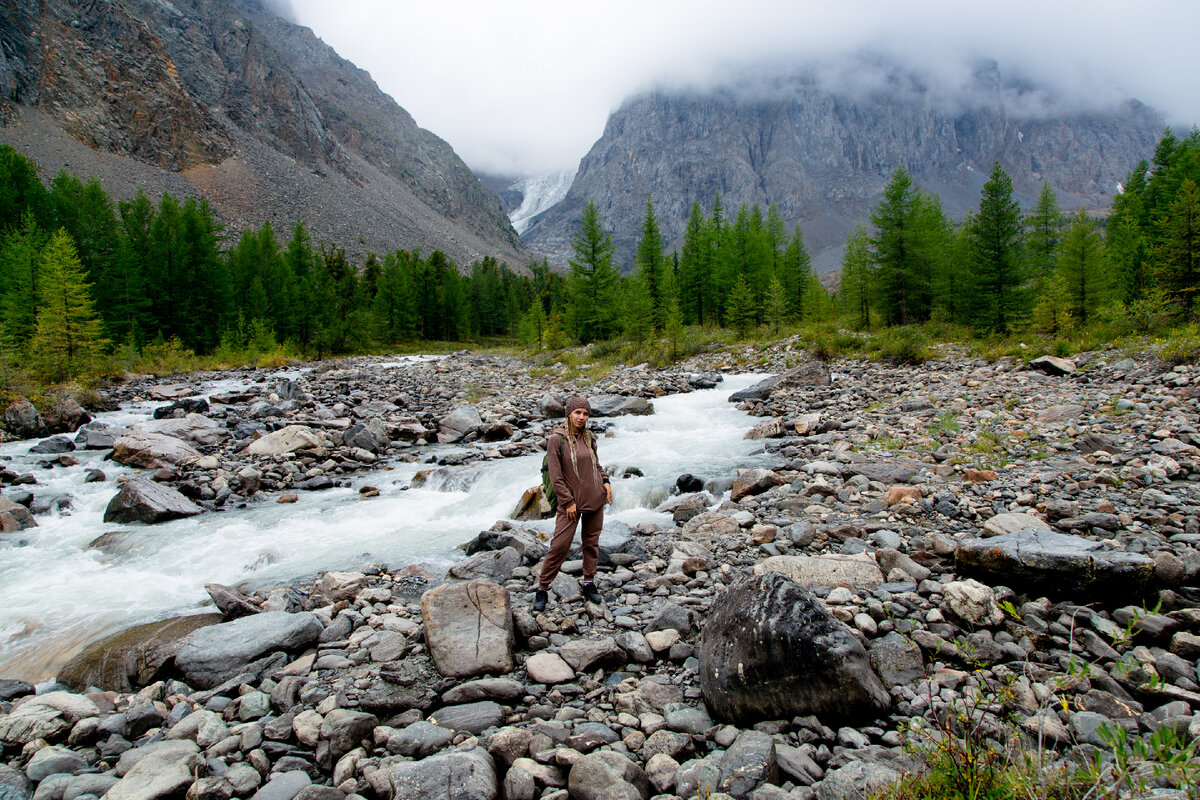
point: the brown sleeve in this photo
(554, 448)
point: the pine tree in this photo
(999, 287)
(592, 283)
(69, 335)
(741, 309)
(1083, 264)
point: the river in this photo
(57, 592)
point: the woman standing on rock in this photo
(582, 490)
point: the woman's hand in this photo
(607, 493)
(571, 511)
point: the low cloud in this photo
(525, 87)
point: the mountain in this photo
(225, 99)
(823, 149)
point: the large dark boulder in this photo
(131, 659)
(23, 420)
(141, 500)
(810, 373)
(1053, 562)
(370, 435)
(771, 650)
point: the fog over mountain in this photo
(525, 88)
(820, 143)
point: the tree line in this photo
(999, 271)
(81, 275)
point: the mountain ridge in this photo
(251, 111)
(823, 156)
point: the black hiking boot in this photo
(591, 594)
(539, 600)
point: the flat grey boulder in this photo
(152, 450)
(458, 423)
(469, 628)
(214, 654)
(419, 740)
(810, 373)
(1009, 522)
(771, 650)
(457, 775)
(892, 471)
(283, 441)
(1052, 365)
(283, 786)
(495, 565)
(161, 774)
(142, 500)
(1055, 563)
(470, 717)
(617, 405)
(195, 428)
(49, 716)
(859, 571)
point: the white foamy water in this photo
(57, 593)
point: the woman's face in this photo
(579, 418)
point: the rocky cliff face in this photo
(823, 156)
(255, 113)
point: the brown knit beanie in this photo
(578, 401)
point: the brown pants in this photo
(560, 545)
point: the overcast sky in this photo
(525, 86)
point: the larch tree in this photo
(653, 269)
(69, 335)
(854, 293)
(1043, 234)
(898, 272)
(741, 309)
(1178, 253)
(1083, 264)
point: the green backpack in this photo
(547, 484)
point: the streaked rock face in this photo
(823, 155)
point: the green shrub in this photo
(902, 345)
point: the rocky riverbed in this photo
(1018, 541)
